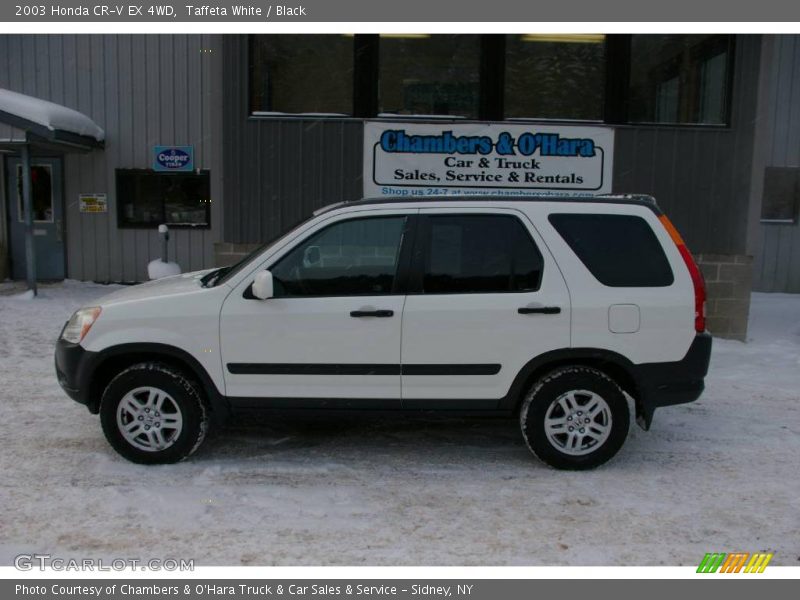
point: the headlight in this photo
(80, 324)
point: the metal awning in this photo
(33, 125)
(46, 127)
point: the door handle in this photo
(371, 313)
(541, 310)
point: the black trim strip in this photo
(475, 407)
(358, 369)
(450, 369)
(311, 369)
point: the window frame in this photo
(400, 283)
(705, 48)
(358, 81)
(20, 195)
(569, 120)
(479, 46)
(123, 224)
(491, 87)
(771, 188)
(421, 252)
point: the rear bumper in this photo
(666, 384)
(74, 365)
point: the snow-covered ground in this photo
(720, 474)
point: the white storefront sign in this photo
(422, 159)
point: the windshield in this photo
(224, 274)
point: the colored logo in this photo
(734, 562)
(173, 158)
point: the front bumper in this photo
(74, 365)
(666, 384)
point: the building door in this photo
(48, 217)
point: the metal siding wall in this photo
(701, 177)
(10, 133)
(3, 225)
(9, 73)
(777, 261)
(277, 171)
(143, 90)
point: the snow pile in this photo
(713, 475)
(157, 269)
(51, 115)
(26, 295)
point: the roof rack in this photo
(641, 199)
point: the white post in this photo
(163, 233)
(27, 201)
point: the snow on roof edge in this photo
(49, 114)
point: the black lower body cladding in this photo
(657, 384)
(679, 382)
(74, 368)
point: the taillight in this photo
(697, 277)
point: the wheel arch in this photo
(113, 360)
(616, 366)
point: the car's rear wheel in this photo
(152, 413)
(575, 418)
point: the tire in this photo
(168, 407)
(566, 398)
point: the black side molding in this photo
(358, 369)
(450, 369)
(312, 369)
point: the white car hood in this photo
(159, 288)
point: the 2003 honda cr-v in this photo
(564, 311)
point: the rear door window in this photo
(618, 250)
(473, 254)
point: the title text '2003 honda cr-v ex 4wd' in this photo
(560, 310)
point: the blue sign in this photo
(173, 158)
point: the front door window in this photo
(349, 258)
(41, 194)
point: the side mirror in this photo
(262, 286)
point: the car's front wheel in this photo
(152, 413)
(575, 418)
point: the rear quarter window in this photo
(618, 250)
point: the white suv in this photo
(557, 309)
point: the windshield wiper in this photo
(211, 279)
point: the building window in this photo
(781, 195)
(41, 194)
(300, 74)
(649, 78)
(429, 75)
(148, 198)
(681, 79)
(555, 76)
